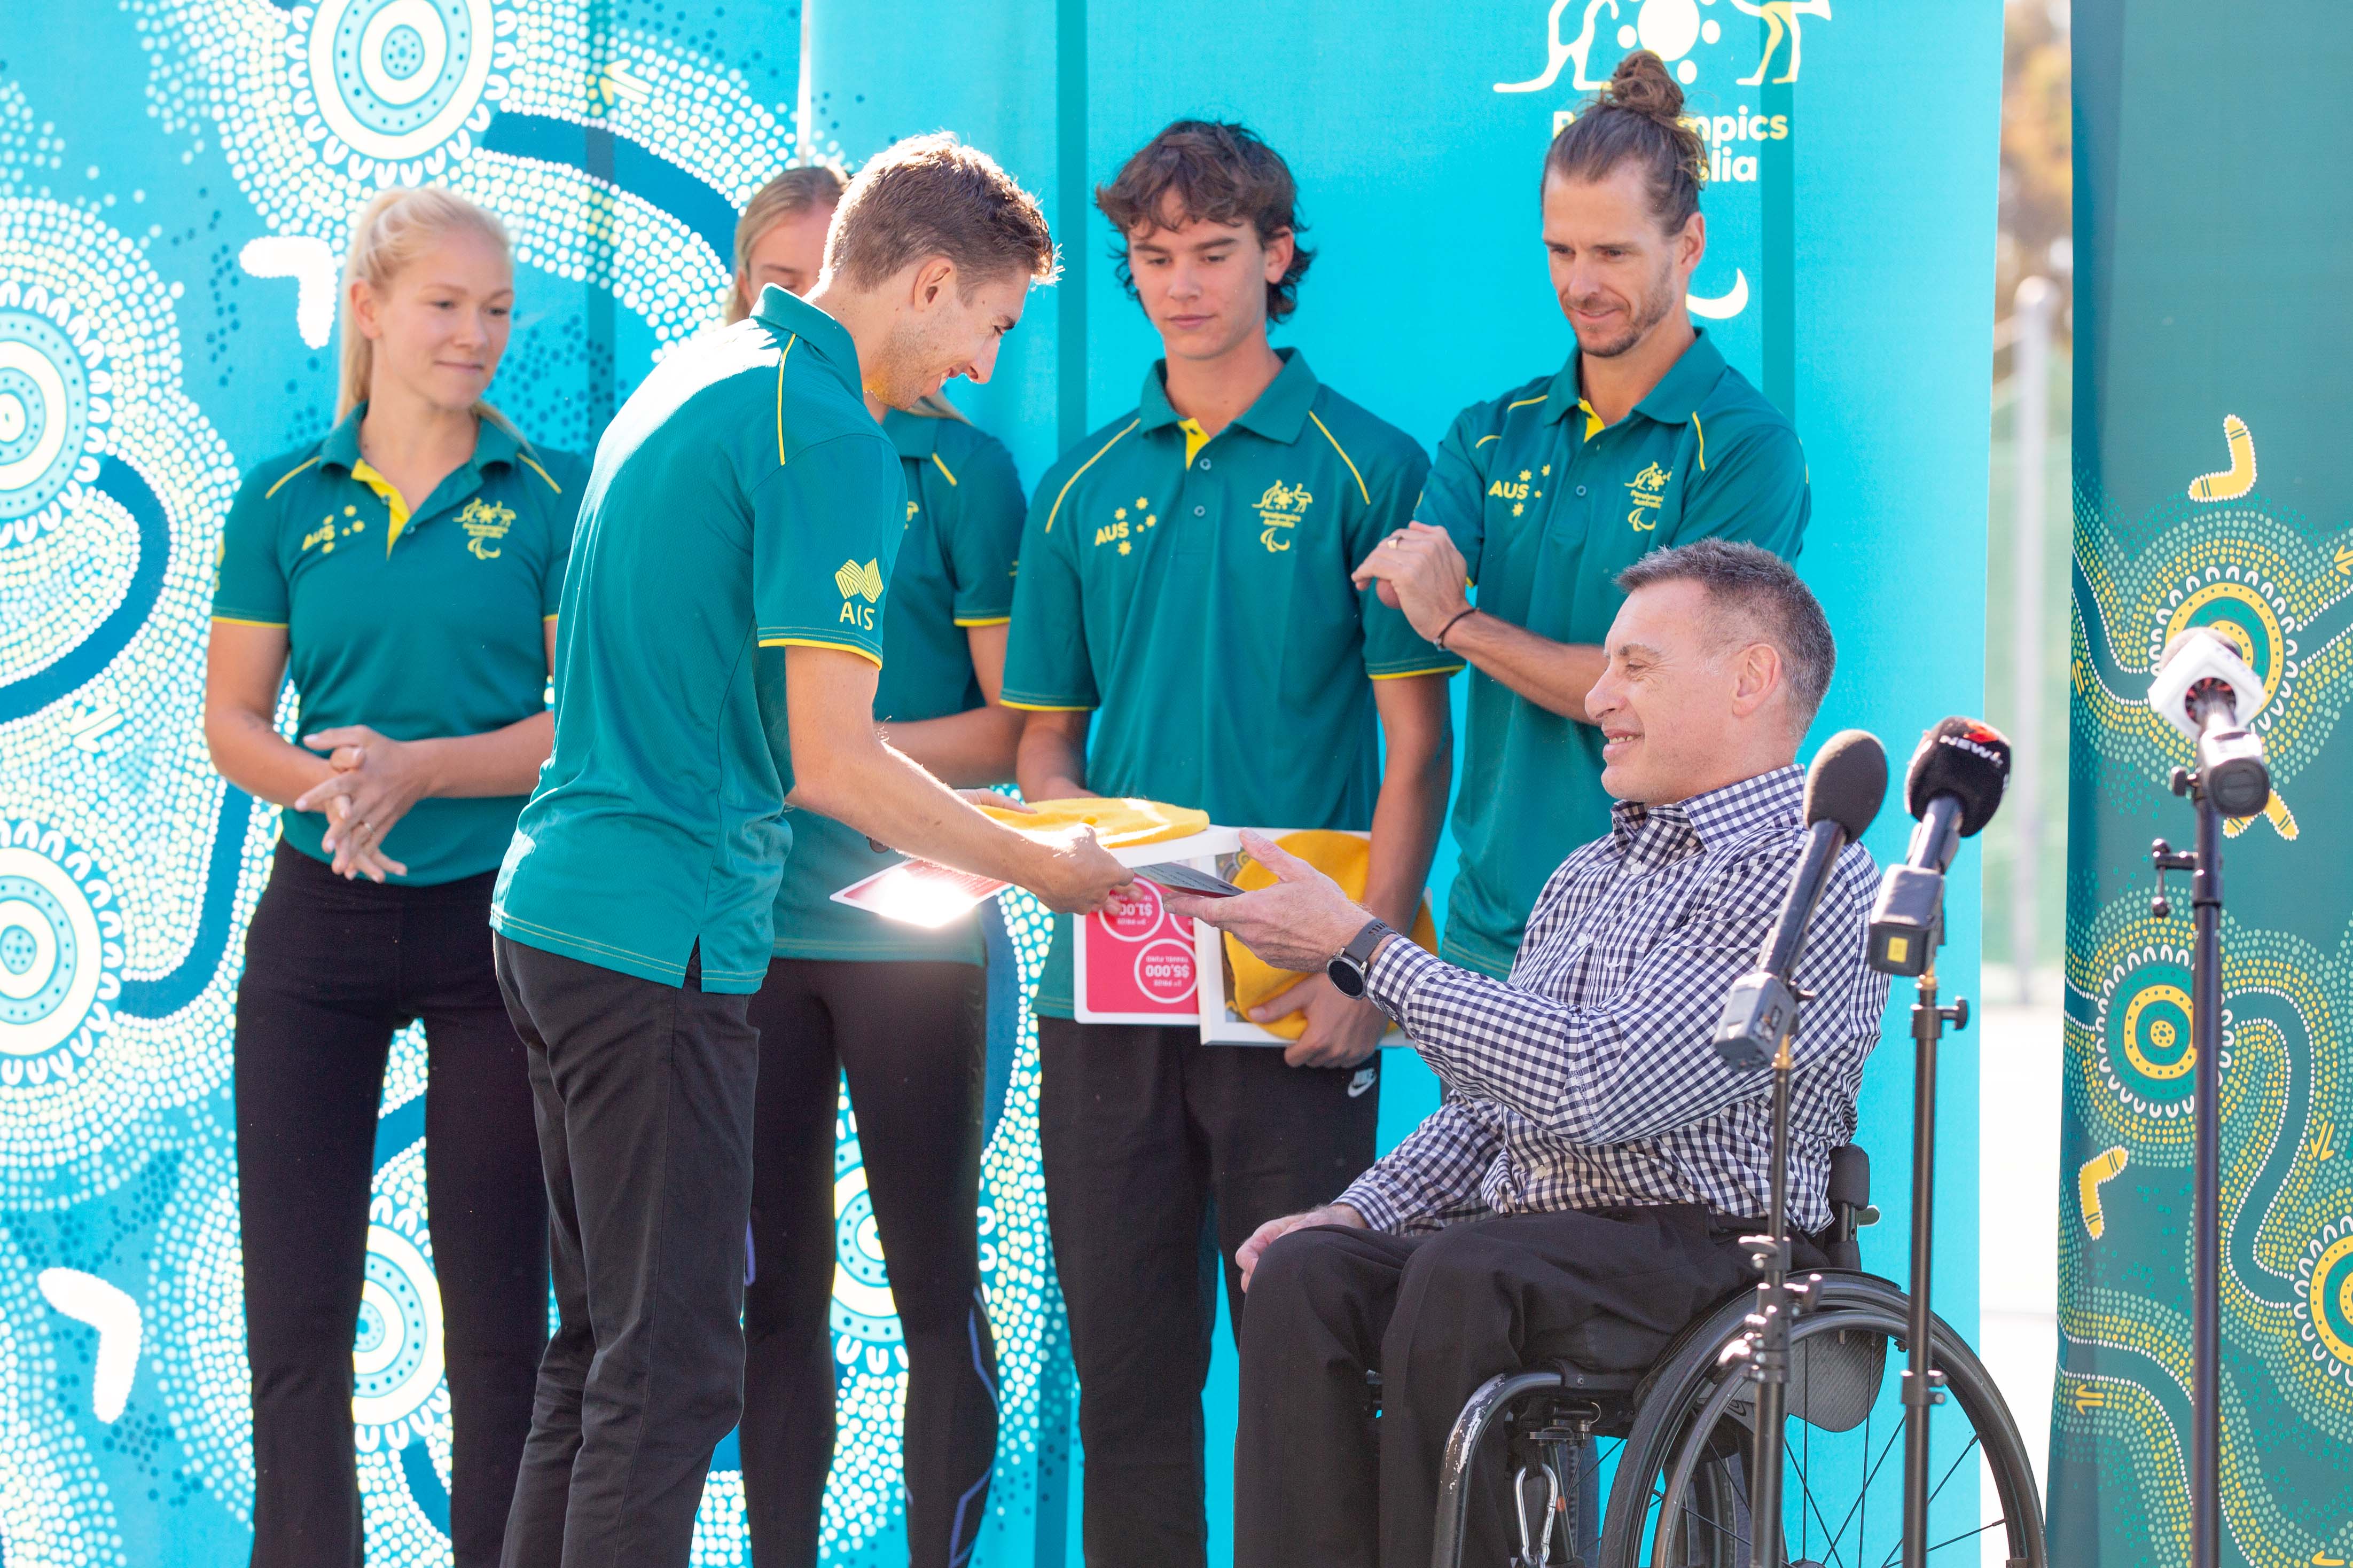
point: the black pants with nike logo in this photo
(1162, 1156)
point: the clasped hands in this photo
(375, 782)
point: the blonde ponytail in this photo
(789, 194)
(392, 231)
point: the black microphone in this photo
(1954, 786)
(1843, 789)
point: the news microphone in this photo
(1843, 789)
(1953, 787)
(2208, 691)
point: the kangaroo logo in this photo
(1560, 52)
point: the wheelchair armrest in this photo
(1850, 1183)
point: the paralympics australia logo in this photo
(1684, 35)
(1279, 510)
(486, 523)
(1646, 492)
(1671, 29)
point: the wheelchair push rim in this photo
(1688, 1460)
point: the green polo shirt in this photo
(418, 624)
(955, 571)
(1548, 505)
(1195, 596)
(744, 501)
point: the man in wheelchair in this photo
(1578, 1193)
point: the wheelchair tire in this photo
(1678, 1498)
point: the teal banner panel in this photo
(2213, 487)
(176, 180)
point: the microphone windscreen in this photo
(1964, 758)
(1847, 781)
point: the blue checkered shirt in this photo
(1587, 1079)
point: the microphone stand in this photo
(1769, 1324)
(1922, 1384)
(2206, 1202)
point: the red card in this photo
(1135, 966)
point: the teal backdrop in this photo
(177, 177)
(2213, 487)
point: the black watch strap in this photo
(1348, 969)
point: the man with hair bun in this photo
(720, 642)
(1646, 438)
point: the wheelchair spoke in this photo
(1967, 1450)
(1694, 1516)
(1970, 1447)
(1812, 1514)
(1806, 1520)
(1700, 1502)
(1862, 1498)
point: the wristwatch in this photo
(1348, 965)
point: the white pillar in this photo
(2036, 301)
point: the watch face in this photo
(1346, 978)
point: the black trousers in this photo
(1436, 1316)
(332, 968)
(1161, 1156)
(913, 1038)
(644, 1099)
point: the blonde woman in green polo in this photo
(402, 571)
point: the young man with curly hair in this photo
(1185, 628)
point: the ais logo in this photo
(858, 583)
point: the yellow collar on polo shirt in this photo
(387, 493)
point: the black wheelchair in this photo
(1671, 1447)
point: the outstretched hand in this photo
(1299, 923)
(1083, 877)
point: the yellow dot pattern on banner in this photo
(2332, 1335)
(2268, 657)
(2162, 1035)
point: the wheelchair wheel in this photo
(1680, 1495)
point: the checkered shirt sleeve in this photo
(1587, 1079)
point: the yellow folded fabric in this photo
(1118, 824)
(1347, 860)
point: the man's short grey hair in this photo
(1761, 586)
